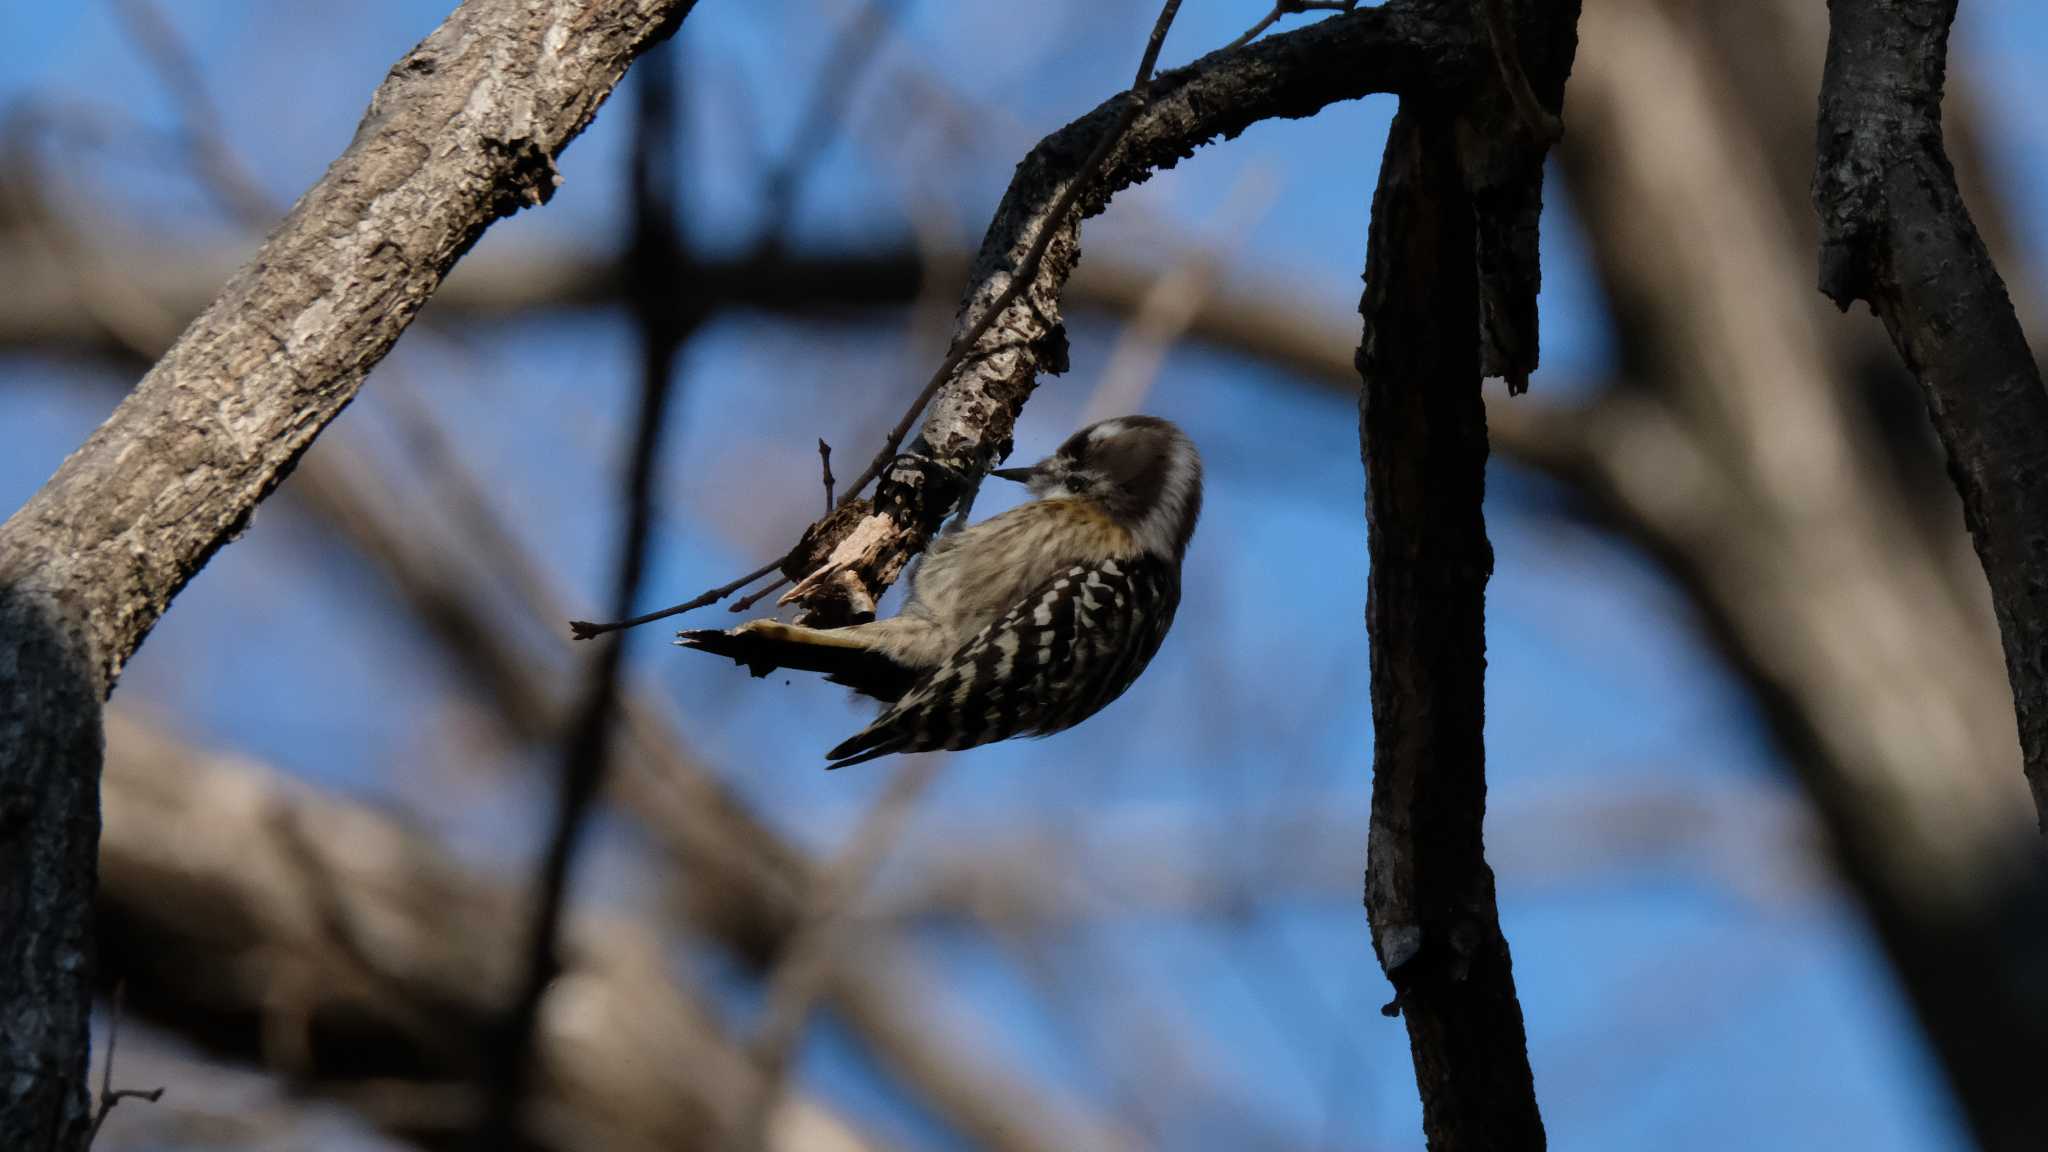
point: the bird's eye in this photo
(1076, 482)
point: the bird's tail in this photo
(842, 654)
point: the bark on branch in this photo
(1404, 46)
(464, 130)
(1450, 294)
(1896, 233)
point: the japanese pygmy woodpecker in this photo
(1026, 623)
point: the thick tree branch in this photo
(1429, 892)
(1450, 294)
(1408, 45)
(464, 130)
(1896, 233)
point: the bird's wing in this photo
(1056, 657)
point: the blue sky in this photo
(1667, 1007)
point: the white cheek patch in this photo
(1105, 430)
(1159, 531)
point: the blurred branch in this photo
(239, 902)
(466, 130)
(848, 62)
(1756, 845)
(743, 882)
(1896, 233)
(1742, 454)
(659, 276)
(1009, 326)
(183, 79)
(807, 969)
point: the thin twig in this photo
(825, 463)
(656, 267)
(755, 597)
(109, 1095)
(1135, 102)
(1288, 8)
(585, 630)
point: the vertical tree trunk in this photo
(1429, 891)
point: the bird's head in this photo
(1141, 470)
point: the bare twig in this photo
(755, 597)
(1288, 8)
(825, 465)
(1084, 179)
(110, 1095)
(656, 266)
(585, 630)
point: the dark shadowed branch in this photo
(1896, 233)
(1450, 293)
(1429, 892)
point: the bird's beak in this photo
(1017, 475)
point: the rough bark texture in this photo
(1404, 46)
(1895, 232)
(1429, 892)
(1451, 282)
(355, 959)
(464, 130)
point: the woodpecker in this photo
(1025, 624)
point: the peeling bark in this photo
(463, 130)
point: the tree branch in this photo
(1007, 334)
(1450, 291)
(464, 130)
(1429, 892)
(1896, 233)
